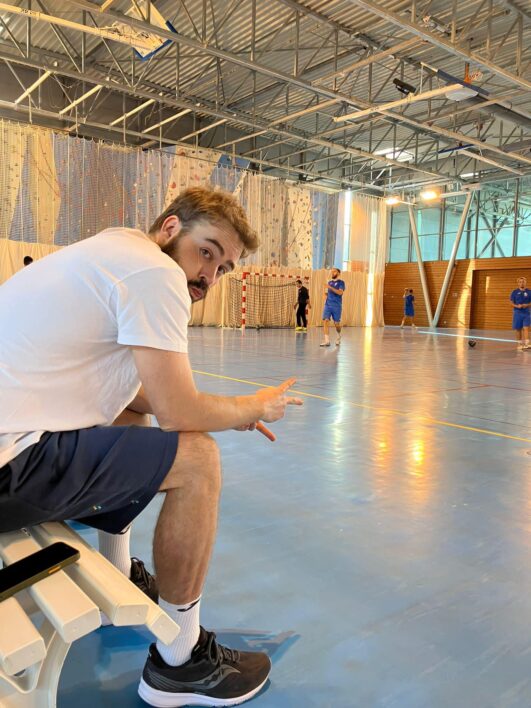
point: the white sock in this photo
(115, 547)
(187, 617)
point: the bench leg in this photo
(37, 686)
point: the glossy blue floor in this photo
(379, 550)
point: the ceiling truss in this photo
(284, 92)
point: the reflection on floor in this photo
(379, 550)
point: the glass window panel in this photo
(484, 236)
(452, 218)
(524, 240)
(428, 221)
(448, 245)
(400, 223)
(398, 252)
(504, 240)
(429, 247)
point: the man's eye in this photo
(205, 252)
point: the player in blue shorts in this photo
(332, 308)
(409, 307)
(521, 300)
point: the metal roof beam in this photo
(218, 114)
(439, 41)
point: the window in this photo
(429, 247)
(452, 218)
(524, 240)
(428, 221)
(504, 242)
(399, 250)
(399, 240)
(399, 223)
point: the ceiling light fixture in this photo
(81, 98)
(429, 195)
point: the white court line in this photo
(466, 336)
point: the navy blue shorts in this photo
(521, 318)
(101, 476)
(409, 312)
(332, 311)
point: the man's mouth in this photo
(196, 293)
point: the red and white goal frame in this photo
(289, 278)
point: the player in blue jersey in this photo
(332, 308)
(521, 301)
(409, 307)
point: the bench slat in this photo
(21, 645)
(122, 602)
(70, 611)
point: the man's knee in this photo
(197, 462)
(129, 417)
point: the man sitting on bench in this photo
(99, 327)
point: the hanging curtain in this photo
(366, 252)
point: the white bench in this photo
(38, 625)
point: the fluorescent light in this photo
(429, 195)
(33, 86)
(168, 120)
(468, 174)
(203, 130)
(398, 155)
(391, 201)
(133, 111)
(81, 98)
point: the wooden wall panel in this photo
(458, 306)
(491, 308)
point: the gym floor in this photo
(379, 550)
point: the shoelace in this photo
(139, 571)
(216, 652)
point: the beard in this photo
(198, 287)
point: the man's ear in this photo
(170, 228)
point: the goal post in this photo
(262, 300)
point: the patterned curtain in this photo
(58, 189)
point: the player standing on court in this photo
(521, 300)
(333, 305)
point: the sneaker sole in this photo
(163, 699)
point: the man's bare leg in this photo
(184, 538)
(182, 547)
(186, 527)
(525, 337)
(326, 337)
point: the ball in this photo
(472, 343)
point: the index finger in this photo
(287, 384)
(265, 431)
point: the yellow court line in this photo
(393, 411)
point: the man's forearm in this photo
(209, 413)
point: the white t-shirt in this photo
(66, 323)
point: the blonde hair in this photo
(213, 206)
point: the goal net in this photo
(262, 299)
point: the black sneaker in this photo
(214, 676)
(144, 580)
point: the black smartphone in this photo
(38, 565)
